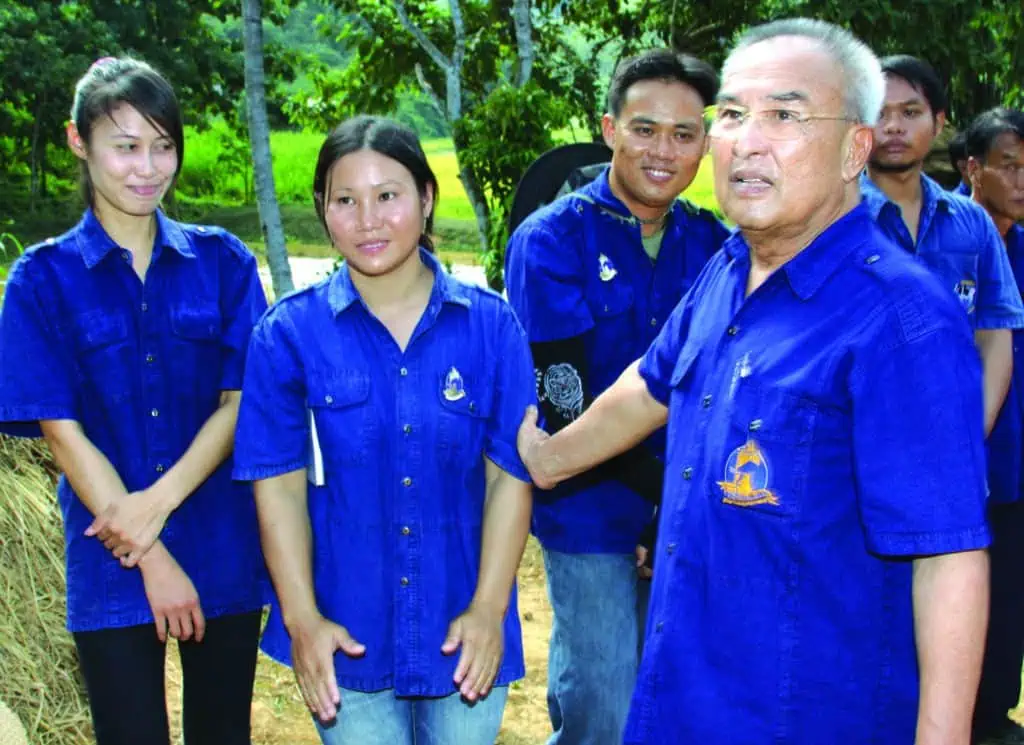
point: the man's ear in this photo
(974, 173)
(608, 130)
(860, 139)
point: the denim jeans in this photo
(599, 610)
(381, 718)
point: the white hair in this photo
(864, 84)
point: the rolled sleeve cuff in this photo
(999, 319)
(23, 421)
(655, 387)
(929, 544)
(506, 457)
(258, 473)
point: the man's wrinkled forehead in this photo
(784, 68)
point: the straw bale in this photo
(39, 674)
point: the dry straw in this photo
(39, 674)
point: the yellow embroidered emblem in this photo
(606, 270)
(453, 387)
(746, 477)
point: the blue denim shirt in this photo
(1006, 442)
(959, 242)
(140, 365)
(962, 189)
(821, 432)
(578, 267)
(397, 524)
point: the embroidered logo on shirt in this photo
(606, 270)
(746, 477)
(453, 387)
(965, 290)
(564, 389)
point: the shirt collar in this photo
(933, 196)
(95, 244)
(341, 292)
(809, 269)
(1015, 240)
(600, 190)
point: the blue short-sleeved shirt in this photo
(1006, 442)
(397, 524)
(140, 365)
(821, 433)
(959, 242)
(962, 189)
(578, 267)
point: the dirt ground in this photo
(281, 718)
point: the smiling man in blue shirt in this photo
(821, 574)
(995, 142)
(949, 233)
(593, 277)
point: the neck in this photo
(902, 187)
(771, 248)
(651, 217)
(401, 285)
(135, 233)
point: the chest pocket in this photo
(347, 426)
(464, 410)
(765, 459)
(103, 351)
(960, 271)
(610, 299)
(196, 335)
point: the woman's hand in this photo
(172, 597)
(480, 633)
(130, 526)
(314, 642)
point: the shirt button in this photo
(150, 358)
(126, 255)
(403, 372)
(328, 399)
(145, 307)
(406, 428)
(659, 626)
(670, 549)
(405, 530)
(733, 330)
(654, 321)
(404, 581)
(706, 402)
(687, 473)
(606, 309)
(159, 467)
(154, 412)
(407, 481)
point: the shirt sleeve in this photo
(999, 301)
(658, 363)
(272, 435)
(37, 370)
(515, 389)
(918, 443)
(545, 282)
(243, 304)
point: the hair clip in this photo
(101, 61)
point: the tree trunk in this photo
(259, 141)
(34, 164)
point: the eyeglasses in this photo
(779, 125)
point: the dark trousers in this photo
(124, 677)
(1004, 648)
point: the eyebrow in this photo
(915, 101)
(678, 125)
(782, 97)
(389, 182)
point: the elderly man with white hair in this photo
(821, 570)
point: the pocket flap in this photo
(196, 322)
(338, 390)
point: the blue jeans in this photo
(382, 718)
(599, 611)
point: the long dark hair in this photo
(387, 137)
(113, 81)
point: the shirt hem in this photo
(143, 618)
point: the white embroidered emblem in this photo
(453, 387)
(606, 270)
(564, 389)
